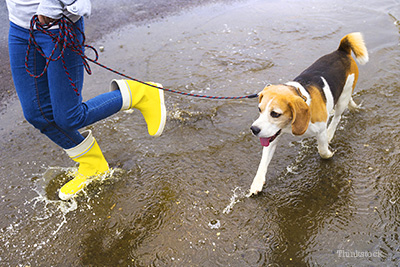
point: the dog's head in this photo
(280, 108)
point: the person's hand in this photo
(45, 20)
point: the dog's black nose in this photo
(255, 130)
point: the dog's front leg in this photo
(259, 179)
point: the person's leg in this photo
(35, 98)
(34, 93)
(70, 113)
(51, 105)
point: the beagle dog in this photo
(303, 106)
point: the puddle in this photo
(181, 199)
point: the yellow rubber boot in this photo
(91, 165)
(147, 99)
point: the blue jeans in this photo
(49, 103)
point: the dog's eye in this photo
(259, 109)
(275, 114)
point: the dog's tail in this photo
(355, 42)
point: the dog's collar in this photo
(301, 91)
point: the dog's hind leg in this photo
(353, 105)
(323, 144)
(334, 123)
(343, 102)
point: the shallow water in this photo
(181, 199)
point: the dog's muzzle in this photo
(265, 141)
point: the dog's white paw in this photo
(257, 186)
(326, 154)
(353, 106)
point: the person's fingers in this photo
(44, 20)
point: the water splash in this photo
(48, 211)
(214, 224)
(48, 216)
(237, 196)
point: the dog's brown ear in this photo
(301, 115)
(261, 94)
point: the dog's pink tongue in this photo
(265, 141)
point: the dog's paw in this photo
(353, 107)
(326, 154)
(256, 186)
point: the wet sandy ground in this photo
(179, 200)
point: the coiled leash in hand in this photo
(66, 38)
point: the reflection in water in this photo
(181, 199)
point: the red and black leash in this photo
(66, 38)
